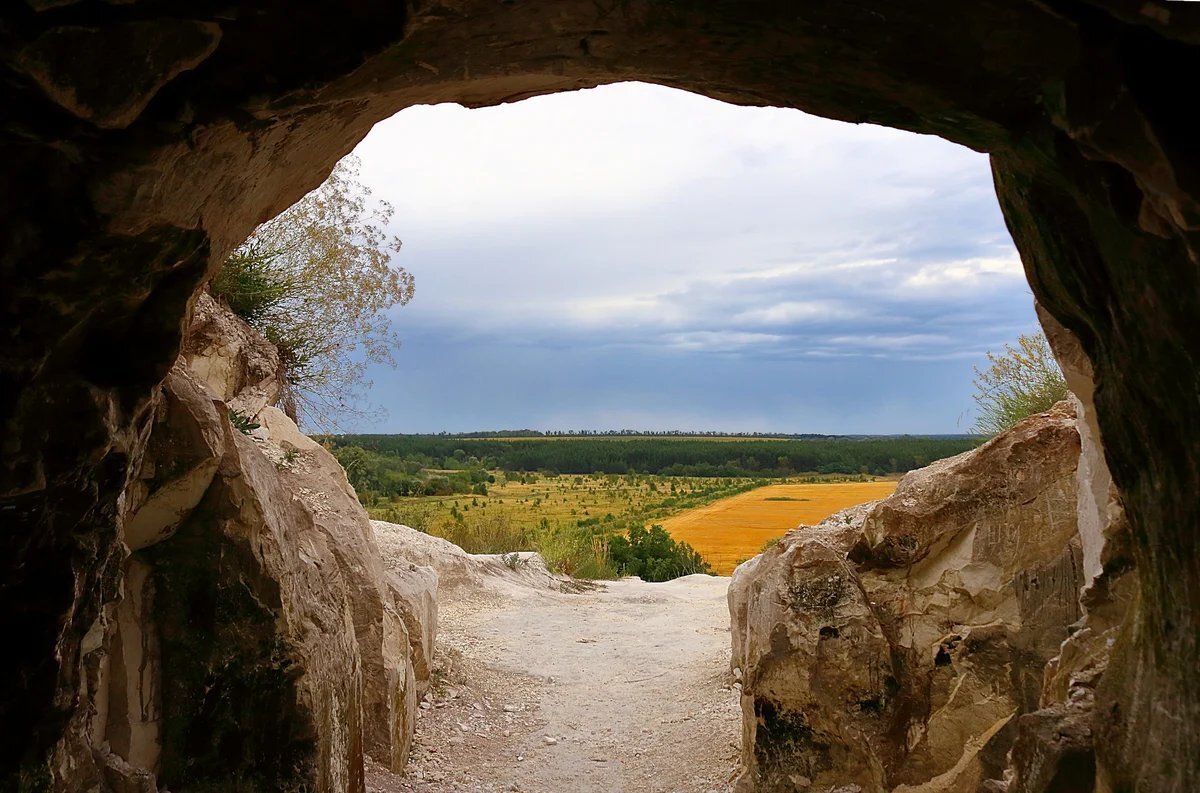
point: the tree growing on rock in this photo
(317, 281)
(1018, 382)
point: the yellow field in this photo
(731, 530)
(712, 438)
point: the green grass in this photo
(568, 519)
(713, 438)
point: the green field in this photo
(575, 498)
(567, 518)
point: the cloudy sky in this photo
(638, 257)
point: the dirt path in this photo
(624, 688)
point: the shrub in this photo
(317, 281)
(242, 423)
(484, 534)
(249, 285)
(514, 560)
(1017, 383)
(575, 551)
(654, 555)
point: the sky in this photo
(637, 257)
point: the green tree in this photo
(317, 281)
(1022, 380)
(359, 466)
(654, 555)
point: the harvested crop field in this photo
(731, 530)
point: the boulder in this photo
(181, 459)
(239, 366)
(816, 668)
(893, 645)
(518, 574)
(1055, 748)
(260, 658)
(395, 612)
(259, 642)
(405, 547)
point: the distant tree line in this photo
(528, 433)
(409, 454)
(380, 474)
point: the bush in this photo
(1017, 383)
(317, 281)
(248, 285)
(490, 534)
(575, 552)
(653, 555)
(242, 423)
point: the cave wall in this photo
(141, 141)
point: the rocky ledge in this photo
(906, 645)
(259, 642)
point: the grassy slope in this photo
(564, 501)
(716, 516)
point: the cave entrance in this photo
(123, 194)
(619, 255)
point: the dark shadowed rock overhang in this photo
(140, 141)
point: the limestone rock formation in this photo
(1055, 746)
(258, 642)
(474, 574)
(394, 614)
(238, 365)
(894, 645)
(403, 546)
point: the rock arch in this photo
(140, 141)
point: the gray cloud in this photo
(649, 231)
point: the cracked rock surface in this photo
(894, 645)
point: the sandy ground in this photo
(622, 688)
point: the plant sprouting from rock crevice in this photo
(242, 423)
(820, 595)
(317, 281)
(1017, 383)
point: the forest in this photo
(729, 456)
